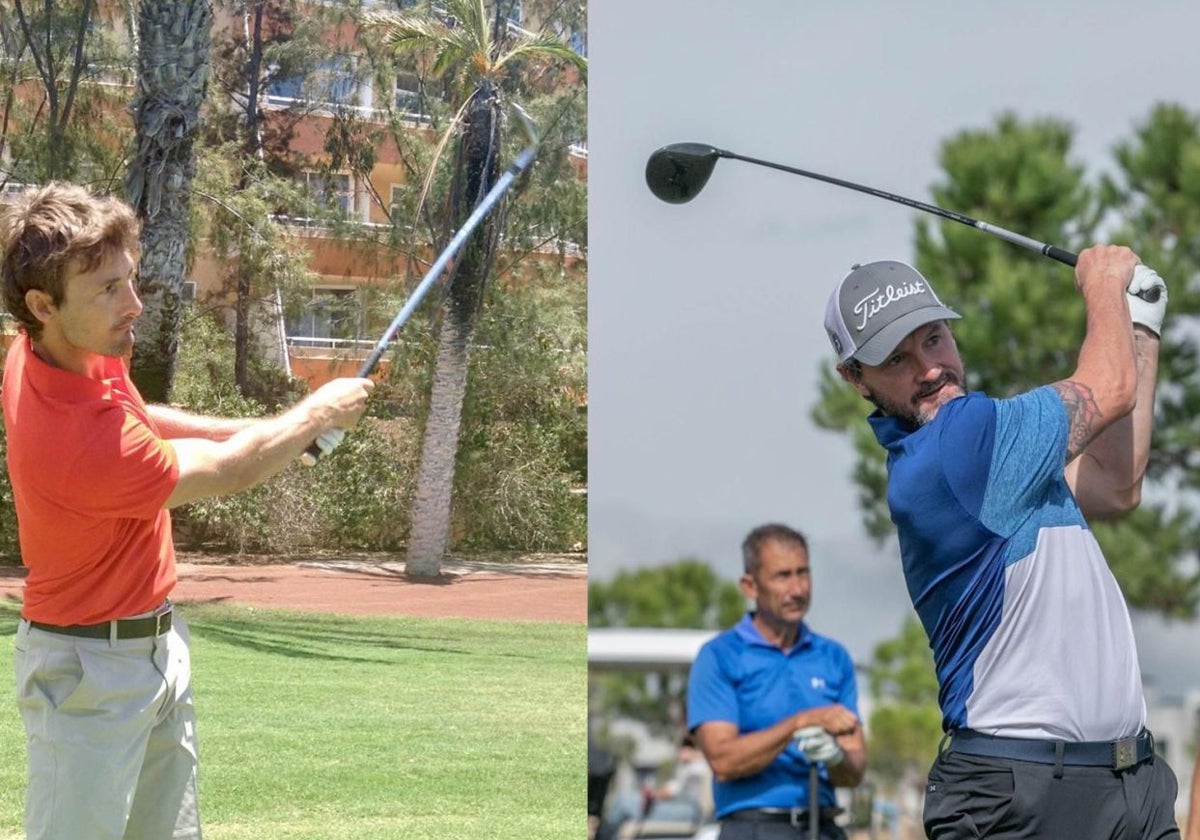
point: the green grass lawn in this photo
(319, 727)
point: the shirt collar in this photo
(748, 631)
(67, 386)
(889, 430)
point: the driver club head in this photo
(676, 173)
(528, 126)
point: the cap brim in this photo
(881, 345)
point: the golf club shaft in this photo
(814, 802)
(1051, 251)
(313, 453)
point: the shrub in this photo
(354, 498)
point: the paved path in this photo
(550, 588)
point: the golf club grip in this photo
(1067, 258)
(1064, 257)
(310, 456)
(313, 454)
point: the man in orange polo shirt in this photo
(101, 660)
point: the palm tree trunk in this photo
(252, 147)
(430, 532)
(477, 171)
(174, 40)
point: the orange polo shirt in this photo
(90, 477)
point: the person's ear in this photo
(748, 585)
(40, 304)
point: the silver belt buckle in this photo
(1124, 753)
(796, 813)
(162, 623)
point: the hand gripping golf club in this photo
(311, 455)
(678, 172)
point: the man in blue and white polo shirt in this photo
(770, 702)
(1040, 690)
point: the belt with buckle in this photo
(793, 816)
(1115, 755)
(126, 628)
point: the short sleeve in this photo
(711, 694)
(125, 469)
(1028, 456)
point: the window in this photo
(331, 81)
(512, 17)
(284, 92)
(10, 189)
(401, 206)
(333, 313)
(409, 95)
(578, 43)
(333, 191)
(335, 80)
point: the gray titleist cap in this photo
(875, 306)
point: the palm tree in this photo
(174, 41)
(478, 53)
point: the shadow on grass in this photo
(10, 614)
(329, 638)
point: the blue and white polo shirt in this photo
(1030, 633)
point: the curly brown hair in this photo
(46, 232)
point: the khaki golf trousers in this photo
(111, 736)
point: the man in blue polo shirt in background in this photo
(769, 700)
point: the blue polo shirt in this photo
(741, 678)
(1030, 633)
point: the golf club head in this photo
(676, 173)
(528, 126)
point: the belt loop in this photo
(942, 743)
(112, 634)
(1059, 749)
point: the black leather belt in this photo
(1115, 755)
(126, 628)
(793, 816)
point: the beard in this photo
(911, 413)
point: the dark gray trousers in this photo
(968, 796)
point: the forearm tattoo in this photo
(1083, 415)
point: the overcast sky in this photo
(705, 335)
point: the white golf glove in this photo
(819, 746)
(1149, 315)
(328, 441)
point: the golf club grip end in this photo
(1065, 257)
(310, 456)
